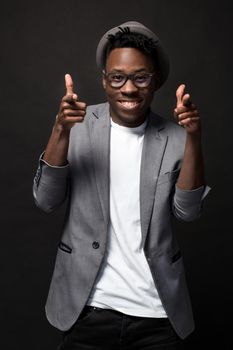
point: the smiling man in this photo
(119, 280)
(129, 81)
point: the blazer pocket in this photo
(169, 176)
(64, 247)
(176, 257)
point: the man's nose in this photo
(129, 87)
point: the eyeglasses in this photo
(117, 80)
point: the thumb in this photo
(180, 94)
(69, 84)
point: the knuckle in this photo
(181, 109)
(81, 105)
(64, 105)
(65, 112)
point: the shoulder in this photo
(95, 115)
(167, 127)
(174, 134)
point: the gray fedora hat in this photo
(135, 27)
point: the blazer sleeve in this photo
(50, 185)
(187, 204)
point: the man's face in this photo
(129, 104)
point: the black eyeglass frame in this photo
(128, 77)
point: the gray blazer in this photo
(84, 182)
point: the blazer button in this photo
(95, 245)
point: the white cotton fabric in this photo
(125, 282)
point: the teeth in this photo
(129, 104)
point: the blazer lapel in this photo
(100, 140)
(152, 156)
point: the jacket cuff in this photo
(41, 160)
(48, 172)
(191, 197)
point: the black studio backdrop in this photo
(40, 42)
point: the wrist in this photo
(61, 130)
(195, 137)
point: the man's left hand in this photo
(186, 112)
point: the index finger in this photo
(180, 94)
(69, 84)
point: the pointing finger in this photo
(180, 94)
(69, 84)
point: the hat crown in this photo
(132, 23)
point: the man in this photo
(119, 280)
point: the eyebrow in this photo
(135, 71)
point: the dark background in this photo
(40, 42)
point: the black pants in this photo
(101, 329)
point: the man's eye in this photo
(140, 78)
(116, 77)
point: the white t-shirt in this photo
(125, 282)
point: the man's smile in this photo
(129, 104)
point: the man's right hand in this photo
(71, 111)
